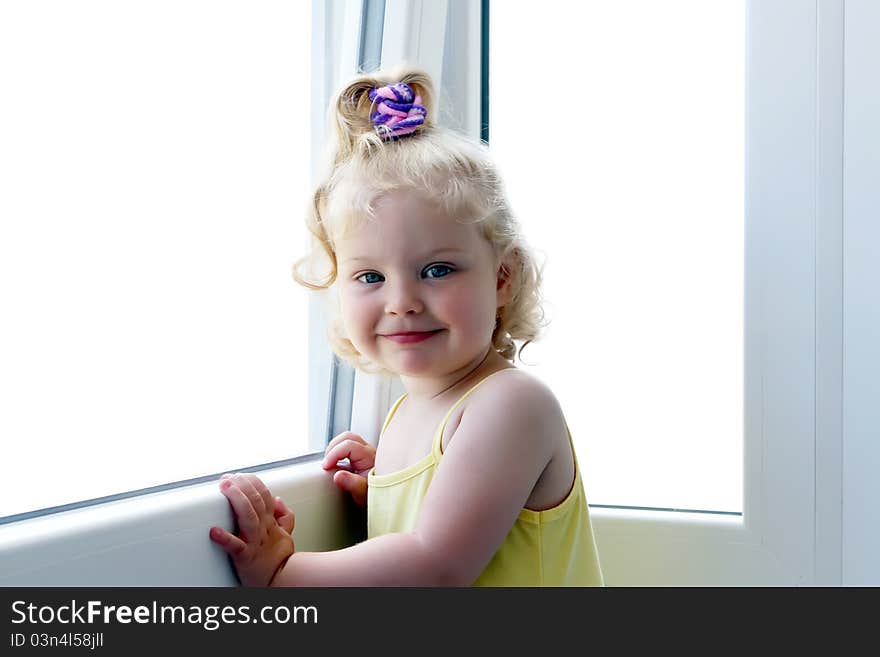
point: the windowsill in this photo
(161, 539)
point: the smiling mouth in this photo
(411, 336)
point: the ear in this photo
(504, 282)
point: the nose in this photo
(403, 299)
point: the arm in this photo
(263, 551)
(389, 560)
(503, 444)
(500, 449)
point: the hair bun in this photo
(399, 110)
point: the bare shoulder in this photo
(507, 440)
(522, 406)
(512, 389)
(534, 424)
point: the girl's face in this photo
(418, 290)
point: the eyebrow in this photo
(424, 256)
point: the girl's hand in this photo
(264, 541)
(361, 456)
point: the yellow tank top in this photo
(553, 547)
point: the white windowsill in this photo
(161, 539)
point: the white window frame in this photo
(790, 531)
(772, 542)
(855, 521)
(137, 538)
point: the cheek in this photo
(355, 312)
(475, 313)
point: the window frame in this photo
(137, 537)
(854, 520)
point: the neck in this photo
(423, 389)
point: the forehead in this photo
(407, 222)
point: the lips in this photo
(409, 337)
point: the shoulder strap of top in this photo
(391, 413)
(436, 448)
(573, 451)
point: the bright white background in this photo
(625, 165)
(154, 172)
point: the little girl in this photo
(474, 480)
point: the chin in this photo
(414, 363)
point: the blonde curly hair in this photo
(445, 167)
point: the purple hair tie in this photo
(399, 110)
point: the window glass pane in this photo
(620, 134)
(154, 172)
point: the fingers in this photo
(266, 498)
(345, 435)
(252, 501)
(355, 484)
(247, 495)
(284, 515)
(247, 517)
(247, 487)
(362, 456)
(255, 490)
(230, 543)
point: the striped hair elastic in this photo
(398, 110)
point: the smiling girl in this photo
(474, 480)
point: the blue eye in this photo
(370, 277)
(437, 271)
